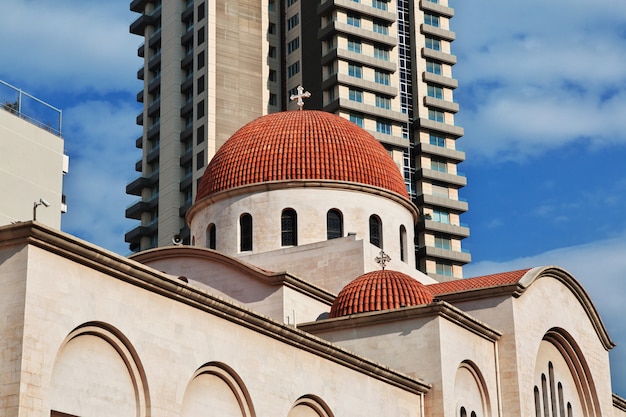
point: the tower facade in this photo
(211, 67)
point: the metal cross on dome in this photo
(301, 94)
(382, 259)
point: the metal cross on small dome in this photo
(382, 259)
(301, 94)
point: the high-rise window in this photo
(379, 4)
(436, 115)
(355, 70)
(354, 20)
(441, 216)
(293, 45)
(433, 67)
(435, 91)
(431, 19)
(354, 46)
(293, 21)
(442, 268)
(355, 95)
(443, 242)
(293, 69)
(382, 77)
(383, 102)
(437, 140)
(383, 127)
(380, 27)
(440, 165)
(357, 120)
(432, 43)
(381, 53)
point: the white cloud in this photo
(68, 45)
(99, 138)
(601, 268)
(536, 76)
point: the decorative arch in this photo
(98, 360)
(563, 377)
(334, 224)
(470, 391)
(310, 406)
(216, 389)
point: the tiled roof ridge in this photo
(305, 145)
(484, 281)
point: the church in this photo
(297, 297)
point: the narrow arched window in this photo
(376, 231)
(210, 236)
(289, 228)
(544, 395)
(537, 402)
(334, 224)
(245, 232)
(561, 400)
(463, 412)
(403, 248)
(473, 414)
(553, 400)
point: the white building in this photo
(290, 314)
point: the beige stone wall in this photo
(31, 167)
(176, 348)
(311, 205)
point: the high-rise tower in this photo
(211, 67)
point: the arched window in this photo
(463, 412)
(245, 232)
(376, 231)
(289, 228)
(334, 224)
(210, 236)
(403, 248)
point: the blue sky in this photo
(542, 90)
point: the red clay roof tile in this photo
(300, 145)
(484, 281)
(380, 290)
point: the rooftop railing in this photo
(30, 108)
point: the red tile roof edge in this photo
(485, 281)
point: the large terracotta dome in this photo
(301, 145)
(380, 290)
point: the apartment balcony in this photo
(438, 253)
(447, 35)
(452, 179)
(139, 5)
(136, 209)
(141, 50)
(187, 37)
(367, 109)
(358, 58)
(186, 183)
(395, 141)
(362, 8)
(436, 8)
(154, 108)
(139, 166)
(187, 61)
(135, 234)
(140, 73)
(154, 85)
(452, 154)
(186, 85)
(155, 39)
(187, 13)
(185, 158)
(139, 119)
(368, 35)
(140, 97)
(154, 131)
(182, 211)
(138, 27)
(345, 79)
(444, 105)
(153, 155)
(438, 56)
(137, 186)
(139, 142)
(431, 78)
(447, 129)
(455, 206)
(186, 133)
(449, 229)
(155, 62)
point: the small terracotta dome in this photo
(300, 145)
(380, 290)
